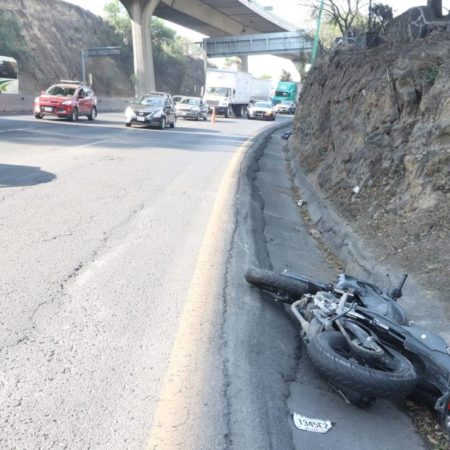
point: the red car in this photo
(67, 99)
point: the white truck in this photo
(228, 91)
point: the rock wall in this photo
(379, 120)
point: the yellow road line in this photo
(185, 379)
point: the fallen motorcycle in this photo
(359, 339)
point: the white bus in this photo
(9, 82)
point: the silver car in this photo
(192, 108)
(261, 110)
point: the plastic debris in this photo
(301, 202)
(356, 189)
(314, 425)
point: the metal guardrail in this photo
(293, 42)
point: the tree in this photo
(285, 75)
(379, 16)
(345, 14)
(12, 42)
(117, 17)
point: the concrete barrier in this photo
(18, 103)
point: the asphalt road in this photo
(102, 232)
(125, 319)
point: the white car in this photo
(261, 110)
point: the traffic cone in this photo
(213, 116)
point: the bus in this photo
(9, 82)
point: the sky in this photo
(286, 9)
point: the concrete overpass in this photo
(211, 17)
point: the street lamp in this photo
(316, 36)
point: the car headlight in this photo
(158, 114)
(129, 113)
(36, 100)
(66, 102)
(268, 113)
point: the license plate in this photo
(141, 119)
(48, 108)
(314, 425)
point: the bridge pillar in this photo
(244, 63)
(140, 12)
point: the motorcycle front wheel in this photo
(391, 375)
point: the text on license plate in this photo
(141, 119)
(48, 108)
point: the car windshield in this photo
(150, 101)
(281, 94)
(190, 101)
(263, 105)
(218, 91)
(62, 91)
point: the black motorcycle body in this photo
(359, 338)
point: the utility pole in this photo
(316, 36)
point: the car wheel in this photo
(38, 116)
(128, 124)
(93, 114)
(74, 116)
(173, 124)
(197, 117)
(227, 113)
(163, 123)
(205, 117)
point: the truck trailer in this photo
(229, 91)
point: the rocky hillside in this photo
(373, 134)
(55, 32)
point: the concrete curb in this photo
(19, 104)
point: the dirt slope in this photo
(379, 121)
(56, 31)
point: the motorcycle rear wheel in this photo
(277, 284)
(391, 375)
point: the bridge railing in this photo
(259, 44)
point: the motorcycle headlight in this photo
(66, 102)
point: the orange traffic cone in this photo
(213, 116)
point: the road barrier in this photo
(18, 103)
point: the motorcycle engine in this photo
(326, 302)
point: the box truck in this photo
(229, 91)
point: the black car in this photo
(155, 109)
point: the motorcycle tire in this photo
(391, 376)
(277, 284)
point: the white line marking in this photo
(15, 129)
